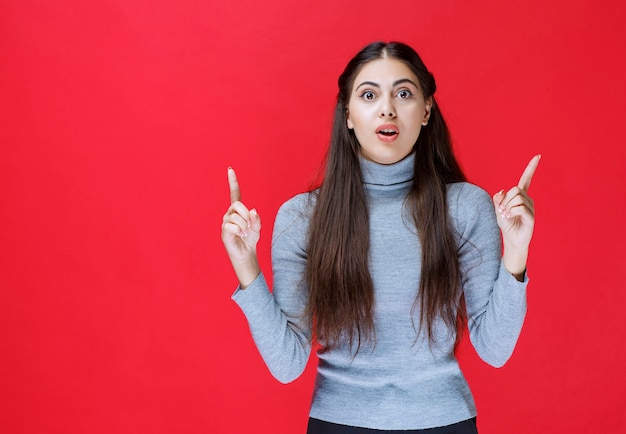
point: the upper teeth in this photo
(387, 131)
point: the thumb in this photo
(497, 200)
(255, 220)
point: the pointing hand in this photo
(516, 218)
(241, 230)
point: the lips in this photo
(387, 132)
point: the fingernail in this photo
(253, 211)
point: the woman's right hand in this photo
(241, 230)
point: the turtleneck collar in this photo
(388, 174)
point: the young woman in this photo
(386, 262)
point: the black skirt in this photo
(317, 426)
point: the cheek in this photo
(416, 115)
(364, 117)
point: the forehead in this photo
(384, 71)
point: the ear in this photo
(349, 122)
(429, 108)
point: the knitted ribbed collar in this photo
(388, 174)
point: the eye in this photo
(368, 95)
(404, 94)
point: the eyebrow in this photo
(395, 83)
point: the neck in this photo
(388, 174)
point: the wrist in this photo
(515, 262)
(247, 272)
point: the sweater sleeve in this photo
(276, 320)
(495, 300)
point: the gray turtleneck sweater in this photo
(401, 381)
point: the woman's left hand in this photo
(516, 218)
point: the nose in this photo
(387, 109)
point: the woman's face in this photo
(387, 110)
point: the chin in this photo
(386, 157)
(390, 159)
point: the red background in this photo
(119, 119)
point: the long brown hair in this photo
(341, 292)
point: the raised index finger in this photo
(527, 176)
(233, 184)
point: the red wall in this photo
(119, 118)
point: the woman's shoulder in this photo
(296, 210)
(466, 193)
(472, 210)
(298, 204)
(468, 201)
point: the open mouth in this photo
(387, 132)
